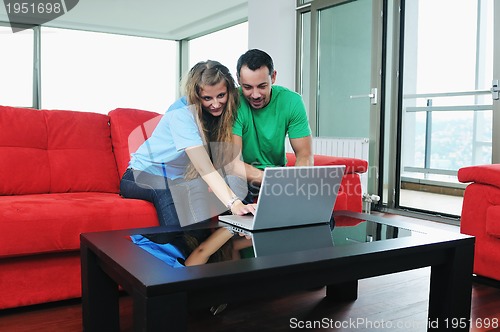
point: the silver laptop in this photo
(286, 240)
(293, 196)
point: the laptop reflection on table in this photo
(287, 240)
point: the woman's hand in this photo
(240, 209)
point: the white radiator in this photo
(341, 147)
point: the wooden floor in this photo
(388, 303)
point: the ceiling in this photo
(164, 19)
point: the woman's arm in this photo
(208, 247)
(201, 161)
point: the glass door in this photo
(413, 79)
(446, 105)
(346, 87)
(496, 78)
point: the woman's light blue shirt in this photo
(164, 152)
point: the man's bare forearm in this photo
(306, 160)
(254, 175)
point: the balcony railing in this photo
(447, 102)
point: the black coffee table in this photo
(362, 246)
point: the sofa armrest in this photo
(484, 174)
(129, 129)
(353, 165)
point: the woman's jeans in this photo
(177, 202)
(151, 188)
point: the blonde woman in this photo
(181, 168)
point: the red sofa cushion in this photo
(34, 224)
(55, 151)
(485, 174)
(24, 166)
(353, 190)
(129, 129)
(493, 221)
(480, 211)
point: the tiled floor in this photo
(451, 205)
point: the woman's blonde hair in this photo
(210, 73)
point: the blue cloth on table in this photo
(166, 252)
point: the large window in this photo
(98, 72)
(447, 74)
(16, 67)
(446, 109)
(224, 46)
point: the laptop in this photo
(293, 196)
(286, 240)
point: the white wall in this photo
(271, 28)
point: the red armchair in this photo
(351, 191)
(481, 216)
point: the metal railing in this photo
(429, 109)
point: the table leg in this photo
(346, 291)
(451, 291)
(100, 304)
(160, 313)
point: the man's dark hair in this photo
(254, 59)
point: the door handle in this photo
(495, 90)
(373, 95)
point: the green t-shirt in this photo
(263, 131)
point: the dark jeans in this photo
(151, 188)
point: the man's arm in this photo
(253, 174)
(303, 150)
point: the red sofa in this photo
(59, 177)
(481, 216)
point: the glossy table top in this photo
(354, 237)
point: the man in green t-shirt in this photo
(266, 115)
